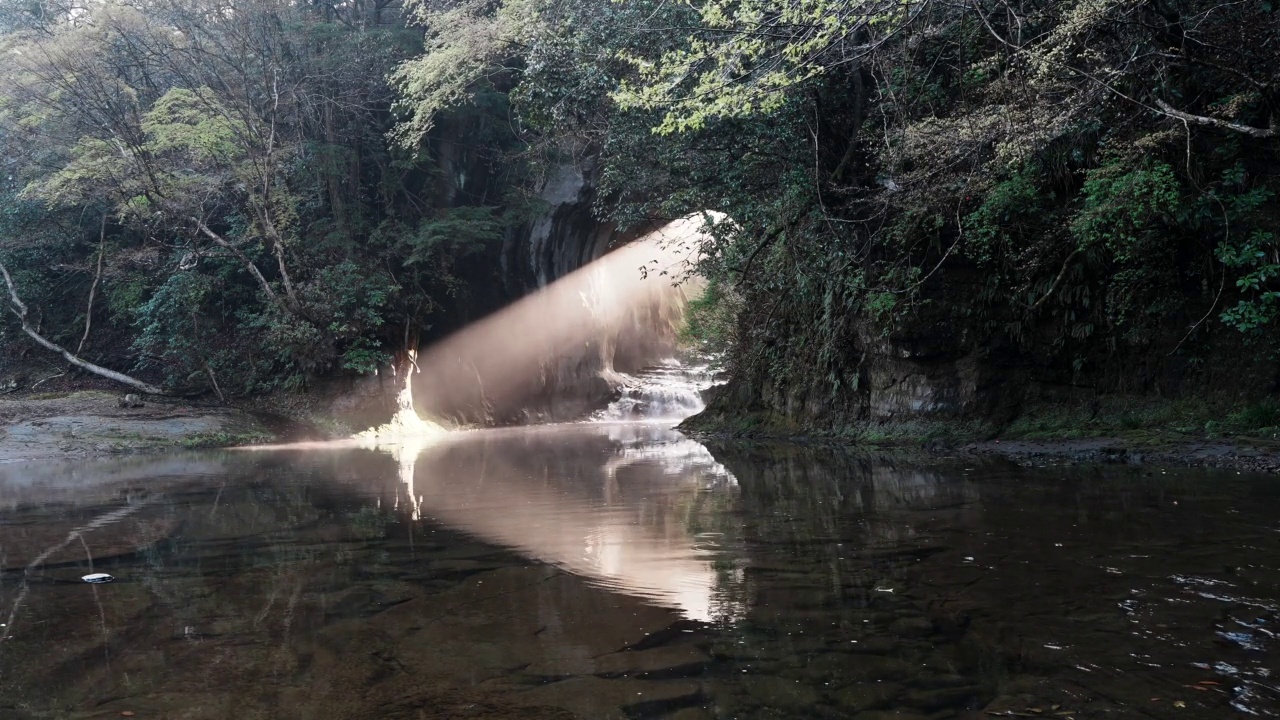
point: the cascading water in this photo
(670, 390)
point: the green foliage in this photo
(222, 439)
(887, 172)
(192, 122)
(1252, 251)
(1256, 260)
(1007, 209)
(466, 42)
(260, 228)
(746, 57)
(1123, 208)
(455, 232)
(170, 332)
(711, 319)
(1257, 417)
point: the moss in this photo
(1148, 420)
(221, 439)
(1141, 422)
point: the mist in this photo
(567, 341)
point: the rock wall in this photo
(949, 364)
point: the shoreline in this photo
(1113, 446)
(87, 424)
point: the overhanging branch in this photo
(20, 309)
(1261, 133)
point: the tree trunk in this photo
(20, 309)
(93, 289)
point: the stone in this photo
(890, 715)
(869, 645)
(668, 661)
(912, 627)
(866, 696)
(774, 691)
(845, 668)
(940, 698)
(607, 699)
(691, 713)
(936, 682)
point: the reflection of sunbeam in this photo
(680, 457)
(520, 497)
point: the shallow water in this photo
(624, 571)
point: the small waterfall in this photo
(670, 390)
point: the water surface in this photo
(625, 571)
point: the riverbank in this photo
(1138, 431)
(91, 423)
(88, 423)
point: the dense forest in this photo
(911, 206)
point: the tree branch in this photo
(93, 289)
(1249, 130)
(244, 259)
(20, 309)
(1066, 265)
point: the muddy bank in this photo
(921, 440)
(1221, 454)
(92, 422)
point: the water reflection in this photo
(622, 519)
(625, 571)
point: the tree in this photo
(251, 138)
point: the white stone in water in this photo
(97, 578)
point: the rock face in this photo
(565, 238)
(929, 371)
(566, 382)
(949, 363)
(559, 360)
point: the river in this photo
(622, 570)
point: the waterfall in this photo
(669, 390)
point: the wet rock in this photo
(774, 691)
(674, 661)
(940, 682)
(912, 627)
(870, 645)
(749, 652)
(692, 713)
(608, 699)
(940, 698)
(866, 696)
(850, 667)
(890, 715)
